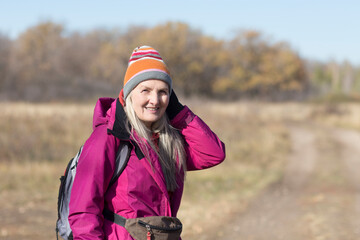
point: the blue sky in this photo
(318, 29)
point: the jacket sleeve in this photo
(93, 174)
(203, 148)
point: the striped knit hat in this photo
(145, 63)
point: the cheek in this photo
(137, 105)
(138, 101)
(165, 100)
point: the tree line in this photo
(46, 62)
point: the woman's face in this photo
(150, 99)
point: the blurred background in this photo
(278, 81)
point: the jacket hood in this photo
(100, 111)
(110, 111)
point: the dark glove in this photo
(174, 106)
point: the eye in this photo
(163, 92)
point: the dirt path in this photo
(319, 196)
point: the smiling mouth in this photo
(152, 108)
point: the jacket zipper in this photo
(149, 232)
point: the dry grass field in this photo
(37, 140)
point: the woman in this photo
(167, 140)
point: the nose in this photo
(154, 98)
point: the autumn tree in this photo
(37, 65)
(5, 51)
(84, 64)
(348, 78)
(333, 78)
(48, 62)
(259, 67)
(111, 60)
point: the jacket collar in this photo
(119, 128)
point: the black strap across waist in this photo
(113, 217)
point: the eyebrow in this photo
(160, 89)
(164, 89)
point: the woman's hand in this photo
(174, 106)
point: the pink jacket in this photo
(140, 191)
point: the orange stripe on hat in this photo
(142, 65)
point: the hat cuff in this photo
(132, 83)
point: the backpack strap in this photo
(122, 158)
